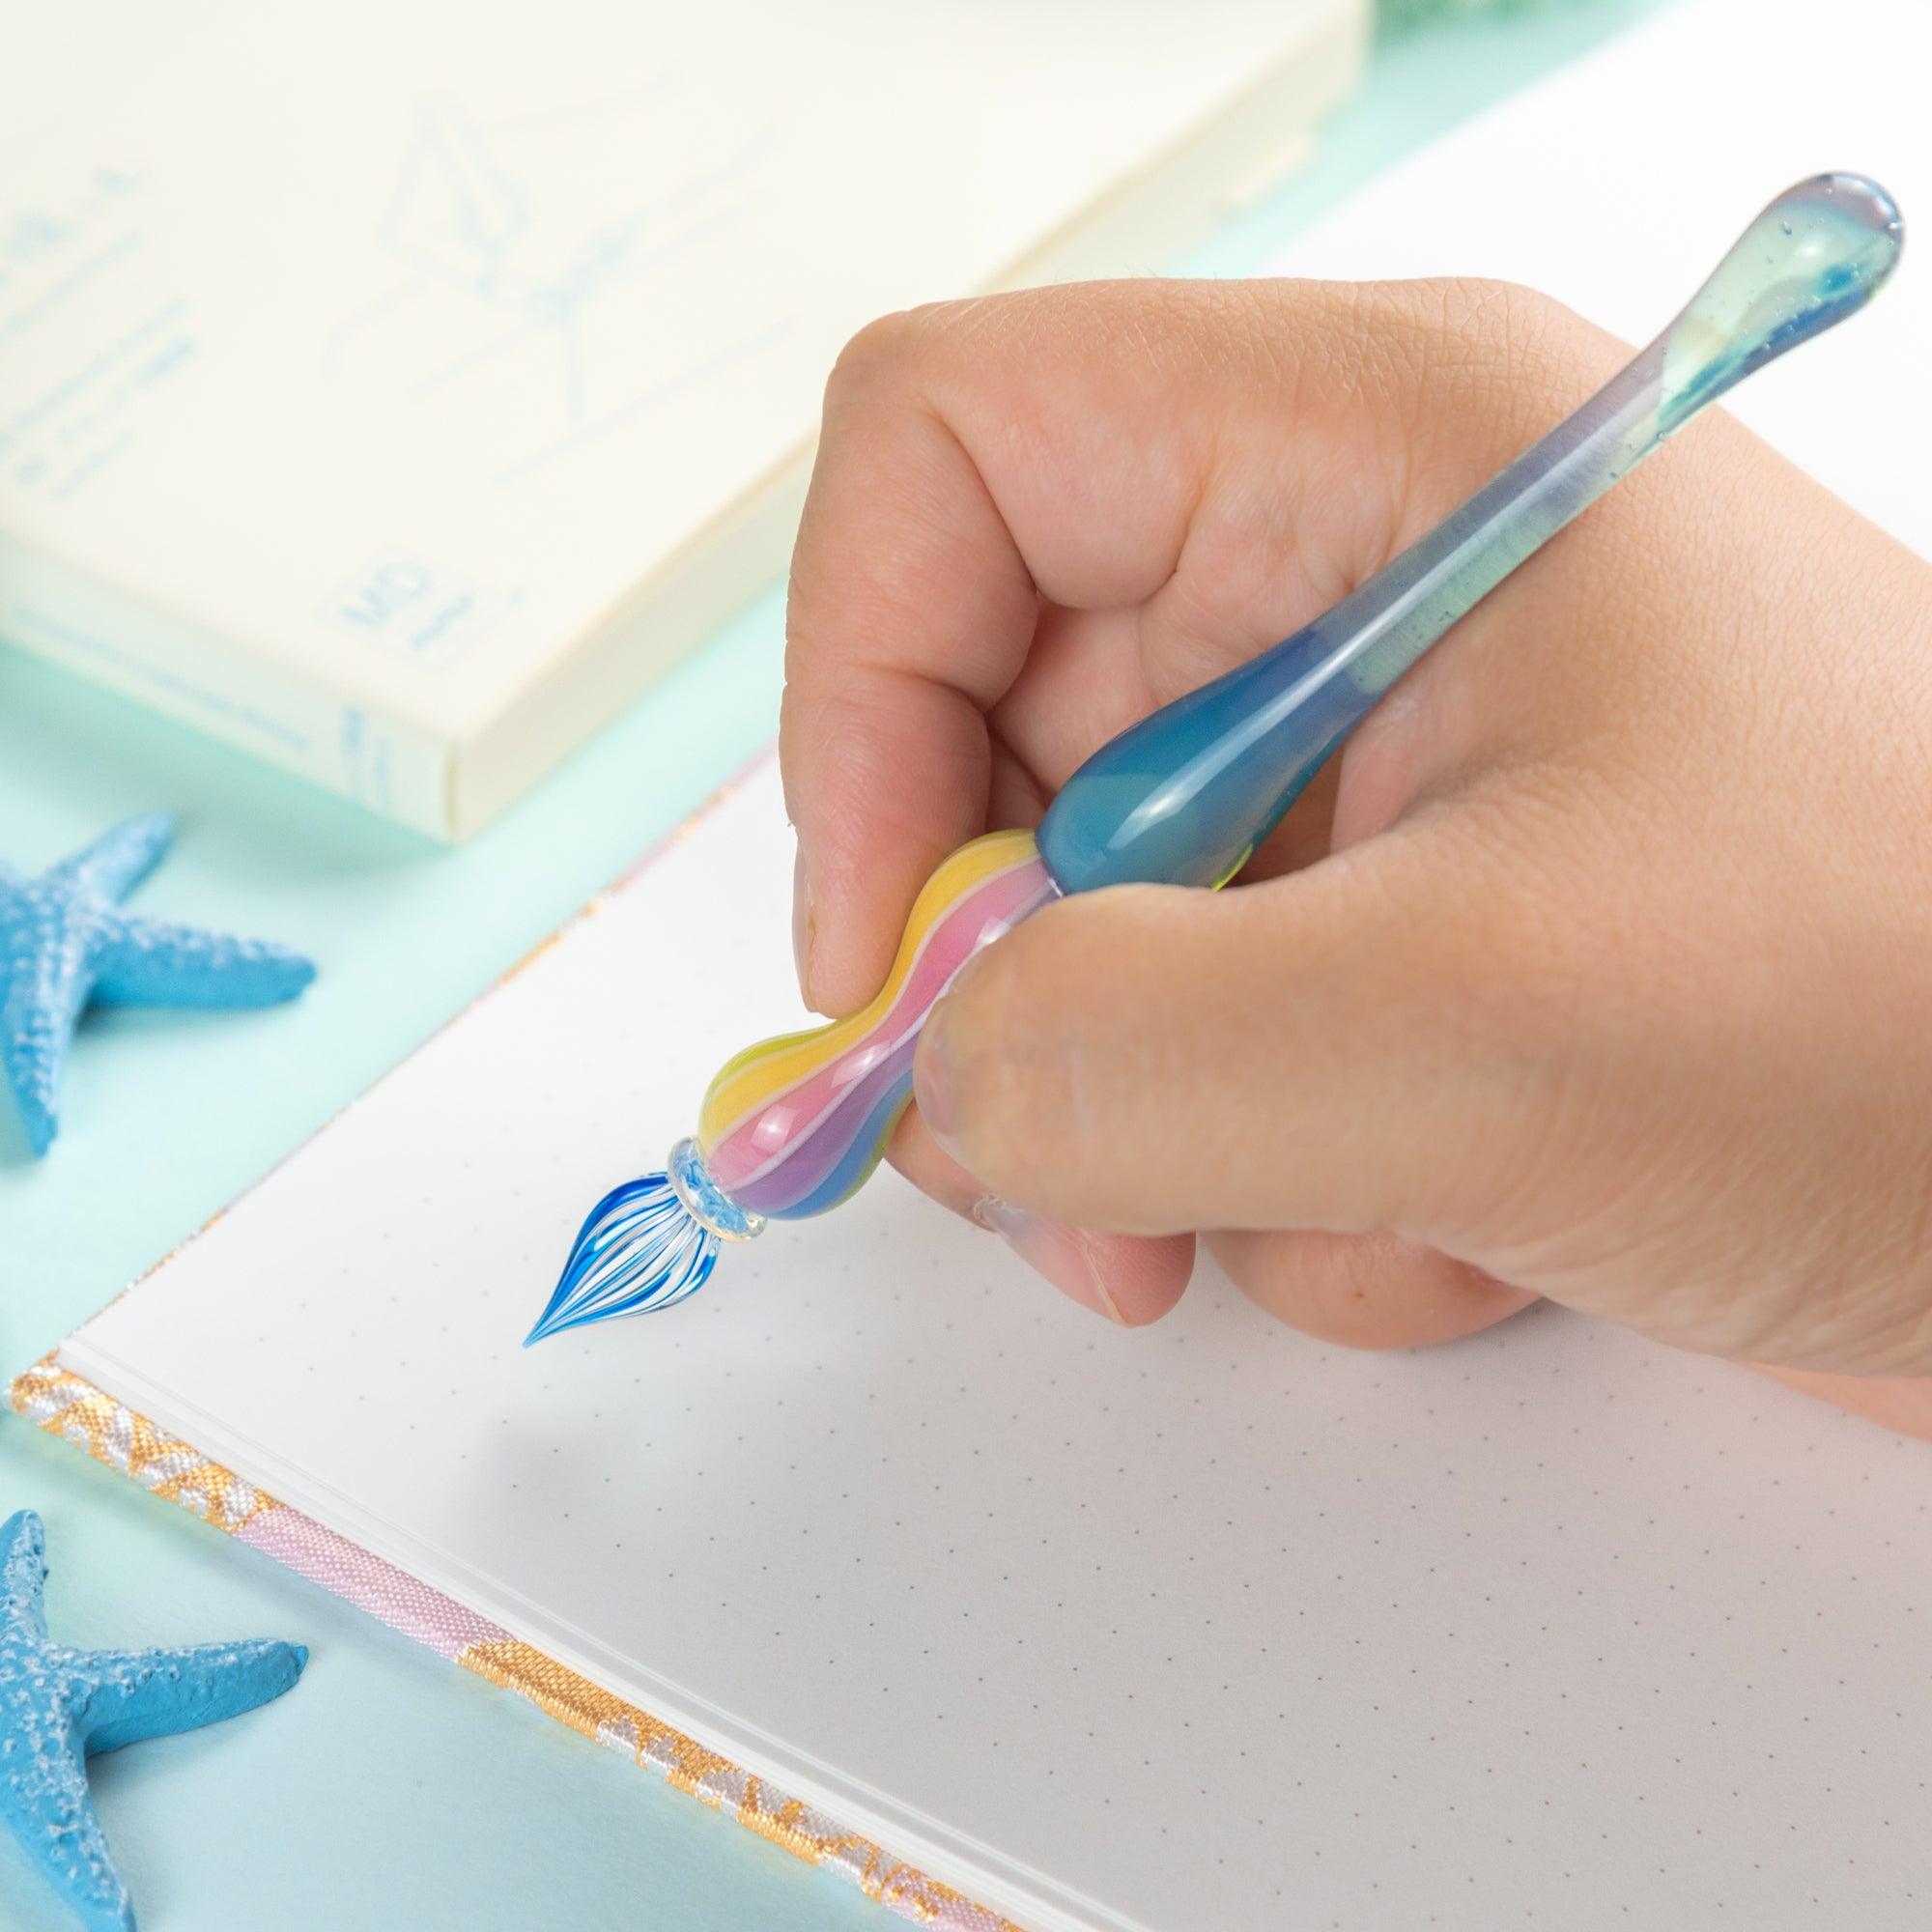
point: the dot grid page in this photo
(1201, 1627)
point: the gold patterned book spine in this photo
(62, 1403)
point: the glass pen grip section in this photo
(793, 1126)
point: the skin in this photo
(1597, 967)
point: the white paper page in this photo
(1617, 184)
(1203, 1628)
(404, 338)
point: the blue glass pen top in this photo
(1816, 254)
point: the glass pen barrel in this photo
(794, 1126)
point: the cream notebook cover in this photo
(1201, 1627)
(392, 388)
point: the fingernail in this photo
(932, 1076)
(801, 924)
(1058, 1253)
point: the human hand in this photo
(1597, 965)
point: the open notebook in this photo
(1201, 1627)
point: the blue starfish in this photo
(58, 1706)
(64, 941)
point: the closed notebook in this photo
(393, 388)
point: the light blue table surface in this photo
(392, 1789)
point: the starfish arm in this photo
(47, 943)
(23, 1577)
(118, 861)
(153, 1693)
(149, 962)
(58, 1704)
(44, 1800)
(33, 1050)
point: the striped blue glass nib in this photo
(639, 1249)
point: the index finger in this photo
(975, 459)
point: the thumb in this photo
(1311, 1052)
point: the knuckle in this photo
(875, 352)
(889, 346)
(1477, 366)
(1512, 333)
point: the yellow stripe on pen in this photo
(748, 1080)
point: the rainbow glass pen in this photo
(793, 1126)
